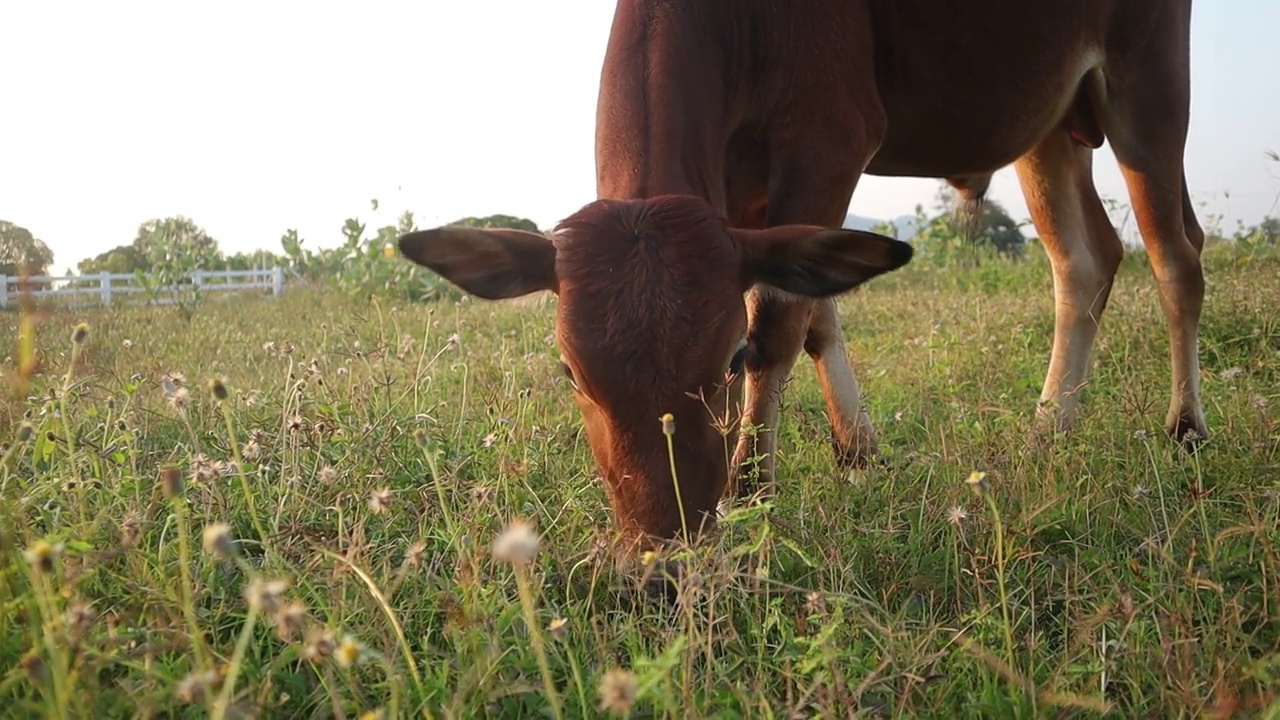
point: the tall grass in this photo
(314, 533)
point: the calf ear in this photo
(817, 262)
(491, 264)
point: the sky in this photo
(252, 118)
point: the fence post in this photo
(197, 279)
(4, 291)
(106, 288)
(277, 281)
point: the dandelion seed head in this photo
(518, 544)
(618, 689)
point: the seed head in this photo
(218, 389)
(558, 627)
(171, 481)
(320, 644)
(217, 540)
(33, 665)
(25, 431)
(518, 544)
(957, 515)
(264, 595)
(289, 619)
(618, 690)
(668, 424)
(327, 475)
(191, 689)
(80, 334)
(179, 399)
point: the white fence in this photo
(106, 288)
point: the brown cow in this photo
(772, 111)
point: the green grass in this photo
(394, 443)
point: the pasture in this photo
(385, 446)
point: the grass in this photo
(346, 566)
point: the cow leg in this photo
(811, 182)
(1147, 118)
(1084, 251)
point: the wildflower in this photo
(264, 595)
(347, 652)
(42, 554)
(127, 344)
(455, 340)
(170, 481)
(483, 494)
(319, 645)
(518, 544)
(251, 450)
(1260, 402)
(80, 334)
(327, 475)
(289, 619)
(557, 627)
(1139, 434)
(1140, 491)
(488, 440)
(1231, 373)
(668, 424)
(217, 539)
(618, 690)
(957, 515)
(295, 423)
(218, 389)
(380, 501)
(977, 481)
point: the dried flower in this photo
(380, 501)
(518, 544)
(191, 689)
(25, 431)
(327, 475)
(217, 539)
(289, 619)
(320, 644)
(957, 515)
(557, 627)
(204, 470)
(170, 481)
(180, 399)
(80, 334)
(264, 595)
(218, 389)
(618, 690)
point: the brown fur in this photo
(770, 112)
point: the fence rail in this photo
(106, 288)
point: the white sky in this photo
(252, 118)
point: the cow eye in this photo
(568, 373)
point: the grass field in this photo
(385, 447)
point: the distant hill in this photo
(906, 224)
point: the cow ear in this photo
(488, 263)
(817, 262)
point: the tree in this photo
(985, 224)
(21, 252)
(497, 221)
(124, 259)
(177, 242)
